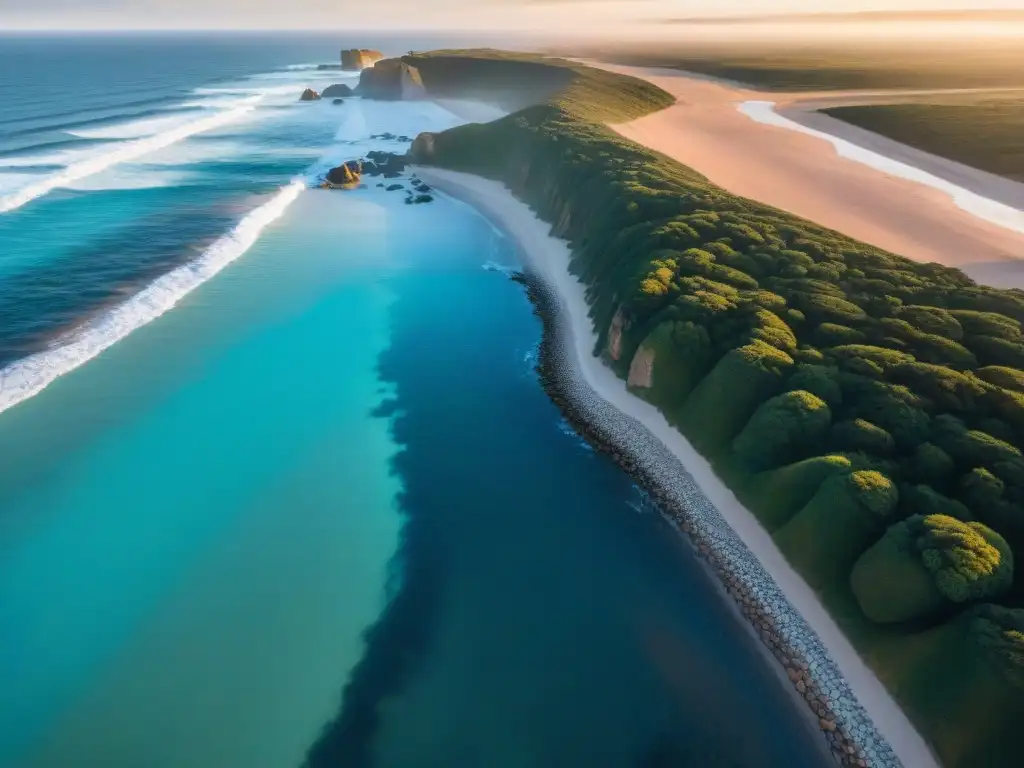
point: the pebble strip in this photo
(852, 737)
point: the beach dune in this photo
(804, 174)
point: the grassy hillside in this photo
(867, 408)
(836, 64)
(985, 133)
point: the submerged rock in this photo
(419, 199)
(309, 95)
(394, 187)
(357, 59)
(337, 91)
(332, 67)
(338, 101)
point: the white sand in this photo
(549, 257)
(798, 170)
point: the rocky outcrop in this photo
(641, 370)
(345, 176)
(309, 95)
(358, 59)
(337, 91)
(391, 80)
(386, 164)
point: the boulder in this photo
(337, 91)
(386, 164)
(391, 80)
(358, 59)
(395, 187)
(346, 175)
(309, 95)
(338, 101)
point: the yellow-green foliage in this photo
(968, 561)
(784, 429)
(825, 538)
(925, 563)
(782, 492)
(999, 632)
(1001, 376)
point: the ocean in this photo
(279, 485)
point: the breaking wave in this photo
(29, 376)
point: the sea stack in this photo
(358, 59)
(391, 80)
(337, 92)
(309, 95)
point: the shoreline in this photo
(797, 168)
(862, 723)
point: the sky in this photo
(409, 14)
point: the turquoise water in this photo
(296, 496)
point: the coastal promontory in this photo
(356, 59)
(391, 80)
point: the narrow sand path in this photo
(805, 175)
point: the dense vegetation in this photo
(869, 409)
(772, 62)
(985, 133)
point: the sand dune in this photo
(805, 175)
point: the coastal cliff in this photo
(391, 80)
(357, 59)
(838, 389)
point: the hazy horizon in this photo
(538, 16)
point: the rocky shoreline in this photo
(850, 735)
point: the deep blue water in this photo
(278, 484)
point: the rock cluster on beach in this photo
(379, 163)
(357, 59)
(850, 735)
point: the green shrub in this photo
(930, 464)
(979, 488)
(932, 320)
(826, 537)
(783, 492)
(727, 397)
(861, 435)
(819, 380)
(924, 500)
(987, 324)
(833, 335)
(923, 564)
(1001, 376)
(784, 429)
(999, 633)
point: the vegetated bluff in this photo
(867, 408)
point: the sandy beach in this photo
(805, 175)
(549, 257)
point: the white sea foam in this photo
(135, 129)
(28, 376)
(984, 208)
(125, 152)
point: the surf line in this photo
(27, 377)
(981, 207)
(127, 152)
